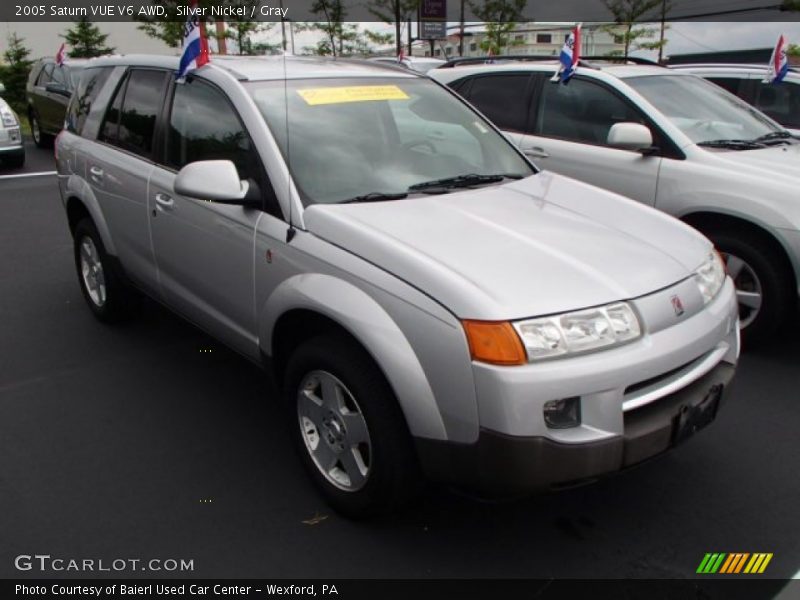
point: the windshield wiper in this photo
(375, 197)
(462, 181)
(775, 136)
(732, 144)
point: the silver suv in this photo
(429, 303)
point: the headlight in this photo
(580, 331)
(9, 119)
(710, 276)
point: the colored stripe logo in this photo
(734, 563)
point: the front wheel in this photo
(764, 284)
(349, 429)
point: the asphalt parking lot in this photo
(151, 440)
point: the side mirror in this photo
(2, 89)
(214, 180)
(57, 88)
(630, 136)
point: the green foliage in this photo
(341, 38)
(14, 73)
(627, 13)
(170, 29)
(793, 50)
(790, 5)
(86, 41)
(241, 29)
(395, 12)
(501, 17)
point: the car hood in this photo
(779, 163)
(537, 246)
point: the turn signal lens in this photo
(494, 342)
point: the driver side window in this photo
(580, 111)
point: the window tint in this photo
(137, 122)
(204, 126)
(45, 76)
(88, 89)
(780, 102)
(110, 127)
(732, 84)
(502, 98)
(581, 111)
(59, 76)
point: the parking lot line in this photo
(21, 175)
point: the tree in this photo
(793, 50)
(241, 30)
(501, 17)
(626, 14)
(168, 29)
(86, 41)
(396, 12)
(14, 74)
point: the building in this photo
(533, 39)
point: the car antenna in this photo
(290, 233)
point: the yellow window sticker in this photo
(361, 93)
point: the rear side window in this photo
(45, 76)
(88, 88)
(131, 121)
(502, 98)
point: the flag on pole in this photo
(61, 55)
(778, 63)
(195, 44)
(569, 57)
(401, 56)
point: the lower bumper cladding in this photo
(499, 464)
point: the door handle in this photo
(536, 152)
(164, 201)
(96, 174)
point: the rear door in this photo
(205, 250)
(567, 133)
(504, 98)
(119, 165)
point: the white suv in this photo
(668, 139)
(778, 101)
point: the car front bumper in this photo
(637, 401)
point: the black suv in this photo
(48, 92)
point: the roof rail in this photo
(477, 60)
(636, 60)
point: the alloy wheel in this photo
(92, 272)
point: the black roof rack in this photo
(636, 60)
(478, 60)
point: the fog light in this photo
(564, 413)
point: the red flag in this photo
(61, 55)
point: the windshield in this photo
(352, 138)
(704, 111)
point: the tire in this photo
(15, 161)
(40, 138)
(757, 269)
(104, 290)
(361, 437)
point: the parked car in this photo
(780, 102)
(12, 152)
(427, 300)
(670, 140)
(49, 89)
